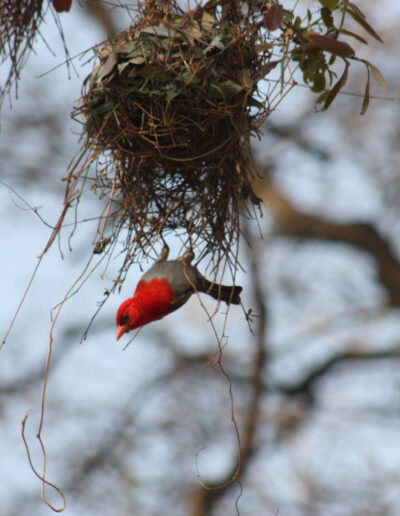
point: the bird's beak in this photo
(121, 330)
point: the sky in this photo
(83, 386)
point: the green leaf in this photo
(329, 4)
(354, 35)
(319, 83)
(331, 61)
(297, 22)
(327, 17)
(356, 9)
(103, 107)
(287, 15)
(377, 75)
(322, 97)
(255, 103)
(361, 21)
(226, 89)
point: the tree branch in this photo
(295, 223)
(306, 384)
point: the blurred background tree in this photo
(315, 386)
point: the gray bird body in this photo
(185, 279)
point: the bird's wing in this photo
(181, 300)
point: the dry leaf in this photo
(339, 48)
(366, 95)
(377, 75)
(335, 90)
(273, 18)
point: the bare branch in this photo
(295, 223)
(306, 385)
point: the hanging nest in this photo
(170, 103)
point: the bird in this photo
(164, 288)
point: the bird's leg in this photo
(164, 254)
(187, 257)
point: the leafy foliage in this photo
(315, 44)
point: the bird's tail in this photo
(229, 294)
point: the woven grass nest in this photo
(170, 102)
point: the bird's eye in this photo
(124, 319)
